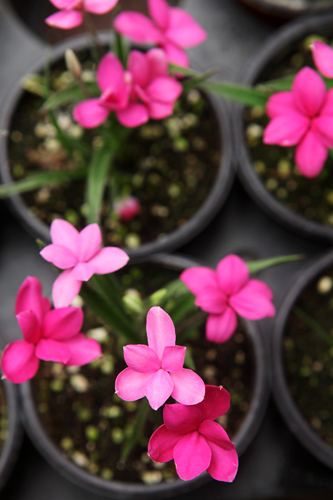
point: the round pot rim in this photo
(274, 7)
(250, 180)
(122, 490)
(12, 443)
(286, 404)
(178, 237)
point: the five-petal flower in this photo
(51, 335)
(190, 436)
(80, 254)
(226, 292)
(156, 371)
(70, 14)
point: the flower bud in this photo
(73, 64)
(127, 208)
(133, 302)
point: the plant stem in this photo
(312, 323)
(96, 48)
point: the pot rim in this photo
(283, 38)
(128, 491)
(286, 404)
(283, 11)
(178, 237)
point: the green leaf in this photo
(120, 49)
(36, 180)
(239, 93)
(182, 307)
(283, 83)
(195, 81)
(137, 429)
(259, 265)
(71, 95)
(189, 361)
(174, 68)
(106, 285)
(172, 290)
(99, 170)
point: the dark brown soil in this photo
(3, 416)
(90, 423)
(308, 354)
(275, 166)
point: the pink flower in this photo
(323, 58)
(48, 335)
(80, 254)
(156, 371)
(71, 11)
(303, 118)
(127, 208)
(151, 83)
(195, 442)
(115, 84)
(171, 28)
(226, 292)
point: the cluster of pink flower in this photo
(303, 117)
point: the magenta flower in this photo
(71, 11)
(323, 58)
(80, 254)
(226, 292)
(48, 335)
(171, 28)
(156, 371)
(115, 84)
(190, 436)
(303, 118)
(127, 208)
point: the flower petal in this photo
(162, 443)
(310, 155)
(189, 388)
(134, 115)
(327, 108)
(109, 260)
(215, 433)
(160, 330)
(287, 130)
(253, 301)
(139, 68)
(82, 350)
(99, 6)
(110, 73)
(29, 325)
(141, 358)
(181, 418)
(280, 104)
(212, 300)
(323, 58)
(159, 11)
(89, 242)
(158, 110)
(192, 456)
(63, 4)
(65, 289)
(64, 234)
(60, 256)
(137, 27)
(158, 388)
(309, 91)
(224, 463)
(232, 273)
(158, 63)
(65, 19)
(30, 298)
(62, 323)
(131, 385)
(197, 278)
(83, 271)
(18, 361)
(164, 89)
(173, 358)
(215, 404)
(52, 350)
(176, 55)
(183, 30)
(90, 113)
(323, 125)
(220, 327)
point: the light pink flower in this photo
(303, 118)
(48, 335)
(195, 442)
(171, 28)
(71, 11)
(127, 208)
(226, 292)
(151, 83)
(156, 371)
(115, 84)
(80, 254)
(323, 58)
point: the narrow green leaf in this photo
(71, 95)
(173, 290)
(195, 81)
(36, 180)
(182, 307)
(183, 71)
(120, 49)
(259, 265)
(189, 361)
(283, 83)
(99, 170)
(107, 286)
(239, 93)
(137, 430)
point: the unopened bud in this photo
(155, 298)
(73, 64)
(132, 301)
(127, 208)
(34, 84)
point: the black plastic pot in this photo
(128, 491)
(173, 240)
(12, 444)
(286, 404)
(279, 10)
(272, 52)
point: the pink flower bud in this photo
(127, 208)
